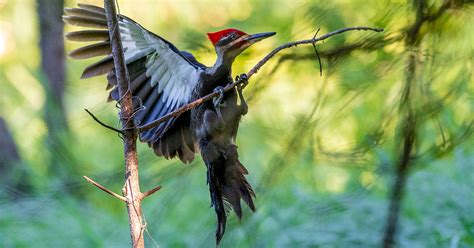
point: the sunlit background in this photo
(322, 151)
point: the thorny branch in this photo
(252, 71)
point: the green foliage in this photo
(321, 151)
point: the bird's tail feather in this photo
(227, 183)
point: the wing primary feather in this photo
(150, 60)
(171, 87)
(88, 35)
(85, 22)
(99, 68)
(168, 123)
(144, 91)
(190, 143)
(154, 113)
(135, 67)
(92, 8)
(138, 55)
(165, 128)
(188, 154)
(159, 78)
(83, 13)
(148, 135)
(171, 83)
(93, 50)
(152, 66)
(156, 148)
(164, 149)
(164, 79)
(138, 81)
(149, 102)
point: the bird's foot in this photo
(244, 108)
(219, 103)
(218, 100)
(243, 78)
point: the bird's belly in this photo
(218, 134)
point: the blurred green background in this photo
(322, 151)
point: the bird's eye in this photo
(233, 36)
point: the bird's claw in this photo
(218, 100)
(244, 80)
(243, 105)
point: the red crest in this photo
(216, 36)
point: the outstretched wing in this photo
(162, 78)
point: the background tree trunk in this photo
(53, 68)
(9, 155)
(13, 173)
(52, 61)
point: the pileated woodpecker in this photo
(163, 79)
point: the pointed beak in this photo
(253, 38)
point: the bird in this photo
(163, 79)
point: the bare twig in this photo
(252, 71)
(305, 42)
(106, 190)
(367, 45)
(150, 192)
(317, 54)
(103, 124)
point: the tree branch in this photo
(305, 42)
(150, 192)
(252, 71)
(103, 124)
(106, 190)
(132, 190)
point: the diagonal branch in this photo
(306, 42)
(252, 71)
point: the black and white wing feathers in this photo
(162, 78)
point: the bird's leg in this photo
(218, 100)
(244, 108)
(218, 104)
